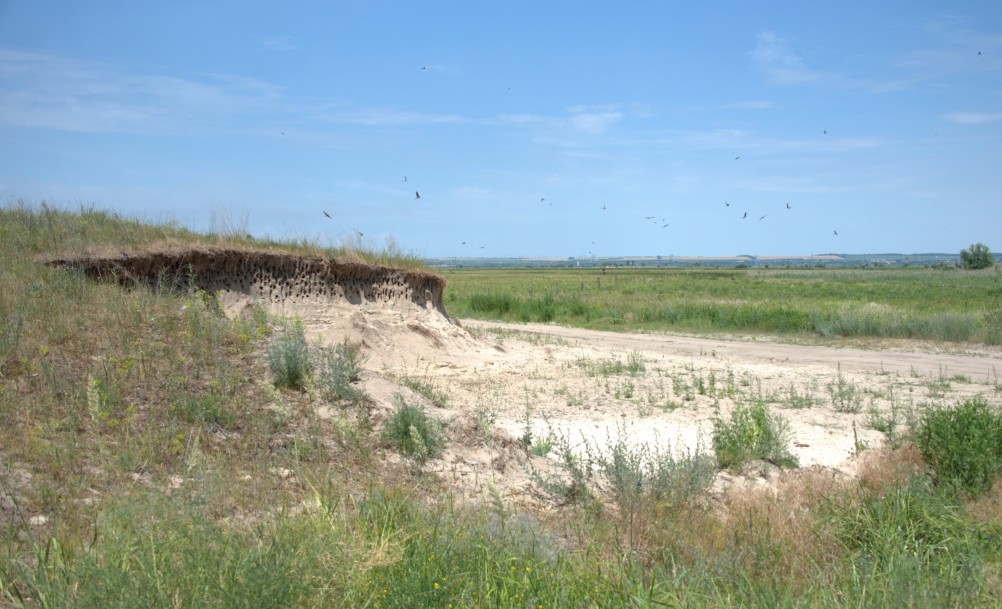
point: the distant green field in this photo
(919, 303)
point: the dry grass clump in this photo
(885, 468)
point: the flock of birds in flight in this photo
(663, 222)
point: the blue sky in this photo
(529, 128)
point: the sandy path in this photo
(983, 364)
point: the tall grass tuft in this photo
(911, 545)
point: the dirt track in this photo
(983, 364)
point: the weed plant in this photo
(338, 371)
(752, 434)
(412, 432)
(290, 358)
(844, 395)
(963, 444)
(654, 473)
(634, 366)
(427, 389)
(578, 464)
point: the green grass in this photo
(913, 303)
(427, 389)
(903, 546)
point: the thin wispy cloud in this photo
(752, 104)
(781, 64)
(278, 43)
(519, 119)
(973, 118)
(390, 117)
(594, 120)
(51, 92)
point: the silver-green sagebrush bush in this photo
(412, 431)
(338, 371)
(289, 357)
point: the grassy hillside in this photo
(150, 456)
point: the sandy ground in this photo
(587, 388)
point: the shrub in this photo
(636, 472)
(289, 357)
(845, 395)
(752, 434)
(978, 256)
(963, 445)
(579, 468)
(337, 371)
(411, 431)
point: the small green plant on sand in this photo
(338, 370)
(752, 434)
(412, 432)
(289, 357)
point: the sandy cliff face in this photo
(278, 281)
(394, 311)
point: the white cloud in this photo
(773, 55)
(594, 120)
(752, 104)
(278, 43)
(52, 92)
(973, 118)
(519, 119)
(388, 117)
